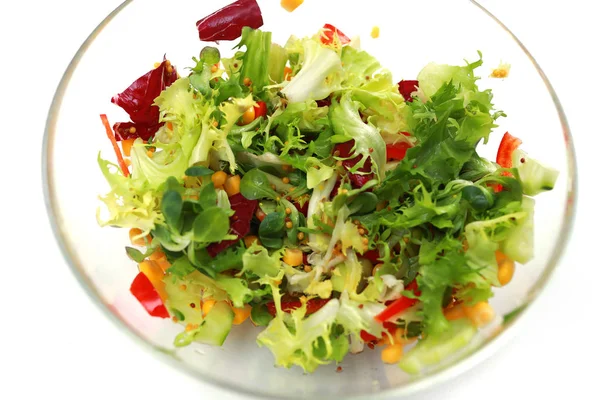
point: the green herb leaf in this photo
(211, 225)
(198, 170)
(171, 206)
(272, 230)
(255, 185)
(260, 315)
(181, 267)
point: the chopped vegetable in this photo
(302, 187)
(227, 23)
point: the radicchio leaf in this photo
(227, 23)
(239, 222)
(344, 150)
(138, 99)
(406, 88)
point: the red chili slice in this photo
(228, 22)
(239, 222)
(407, 88)
(144, 291)
(329, 32)
(312, 306)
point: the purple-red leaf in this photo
(406, 89)
(344, 150)
(123, 130)
(227, 23)
(138, 99)
(239, 222)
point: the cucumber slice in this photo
(518, 246)
(535, 177)
(213, 330)
(432, 350)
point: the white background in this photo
(56, 343)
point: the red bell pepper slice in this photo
(406, 89)
(507, 146)
(367, 337)
(397, 151)
(148, 296)
(260, 110)
(372, 255)
(329, 32)
(399, 305)
(228, 22)
(312, 306)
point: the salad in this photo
(299, 188)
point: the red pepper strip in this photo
(113, 140)
(367, 337)
(227, 23)
(312, 306)
(260, 110)
(507, 146)
(406, 89)
(148, 296)
(399, 305)
(397, 151)
(329, 32)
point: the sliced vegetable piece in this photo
(399, 305)
(534, 176)
(507, 146)
(228, 22)
(433, 349)
(213, 330)
(113, 140)
(329, 32)
(406, 89)
(148, 296)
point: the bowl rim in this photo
(462, 365)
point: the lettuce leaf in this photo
(319, 75)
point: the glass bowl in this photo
(138, 33)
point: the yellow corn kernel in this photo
(241, 314)
(138, 241)
(454, 313)
(232, 185)
(480, 314)
(207, 305)
(506, 268)
(392, 354)
(291, 5)
(292, 257)
(375, 32)
(249, 240)
(248, 116)
(126, 146)
(218, 179)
